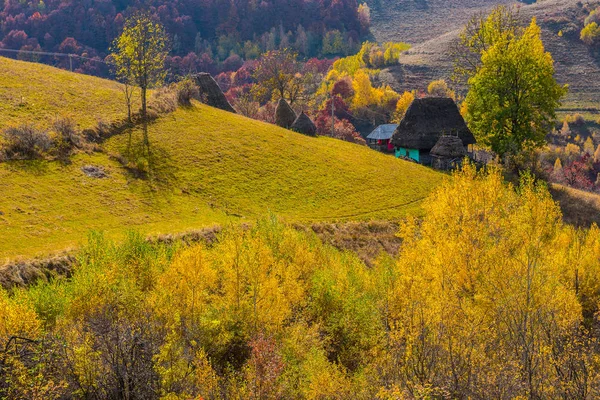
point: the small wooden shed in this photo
(448, 153)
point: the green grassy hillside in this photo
(36, 93)
(210, 167)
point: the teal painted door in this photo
(400, 152)
(414, 154)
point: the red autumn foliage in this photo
(265, 366)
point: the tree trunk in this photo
(145, 116)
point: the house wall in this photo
(411, 153)
(379, 145)
(445, 164)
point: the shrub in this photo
(186, 90)
(402, 105)
(343, 88)
(593, 17)
(440, 88)
(572, 150)
(163, 100)
(25, 142)
(67, 136)
(392, 52)
(575, 119)
(377, 59)
(579, 120)
(590, 35)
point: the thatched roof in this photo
(303, 124)
(284, 115)
(449, 147)
(426, 120)
(211, 93)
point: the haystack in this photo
(447, 153)
(304, 125)
(211, 93)
(284, 115)
(426, 120)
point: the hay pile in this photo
(449, 147)
(210, 92)
(303, 124)
(284, 115)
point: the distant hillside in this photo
(575, 64)
(416, 21)
(211, 167)
(210, 35)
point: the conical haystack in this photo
(211, 93)
(284, 115)
(304, 125)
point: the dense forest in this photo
(207, 32)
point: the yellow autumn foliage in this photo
(490, 296)
(17, 319)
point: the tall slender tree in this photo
(139, 55)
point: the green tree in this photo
(139, 56)
(478, 36)
(513, 95)
(590, 34)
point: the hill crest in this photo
(212, 167)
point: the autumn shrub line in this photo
(166, 99)
(29, 142)
(491, 296)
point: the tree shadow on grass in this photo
(162, 167)
(152, 167)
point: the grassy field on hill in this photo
(36, 93)
(211, 167)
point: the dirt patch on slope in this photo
(579, 208)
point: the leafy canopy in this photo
(479, 34)
(513, 95)
(140, 52)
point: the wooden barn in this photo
(448, 153)
(380, 138)
(425, 122)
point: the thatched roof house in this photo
(425, 121)
(211, 93)
(284, 115)
(448, 152)
(304, 125)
